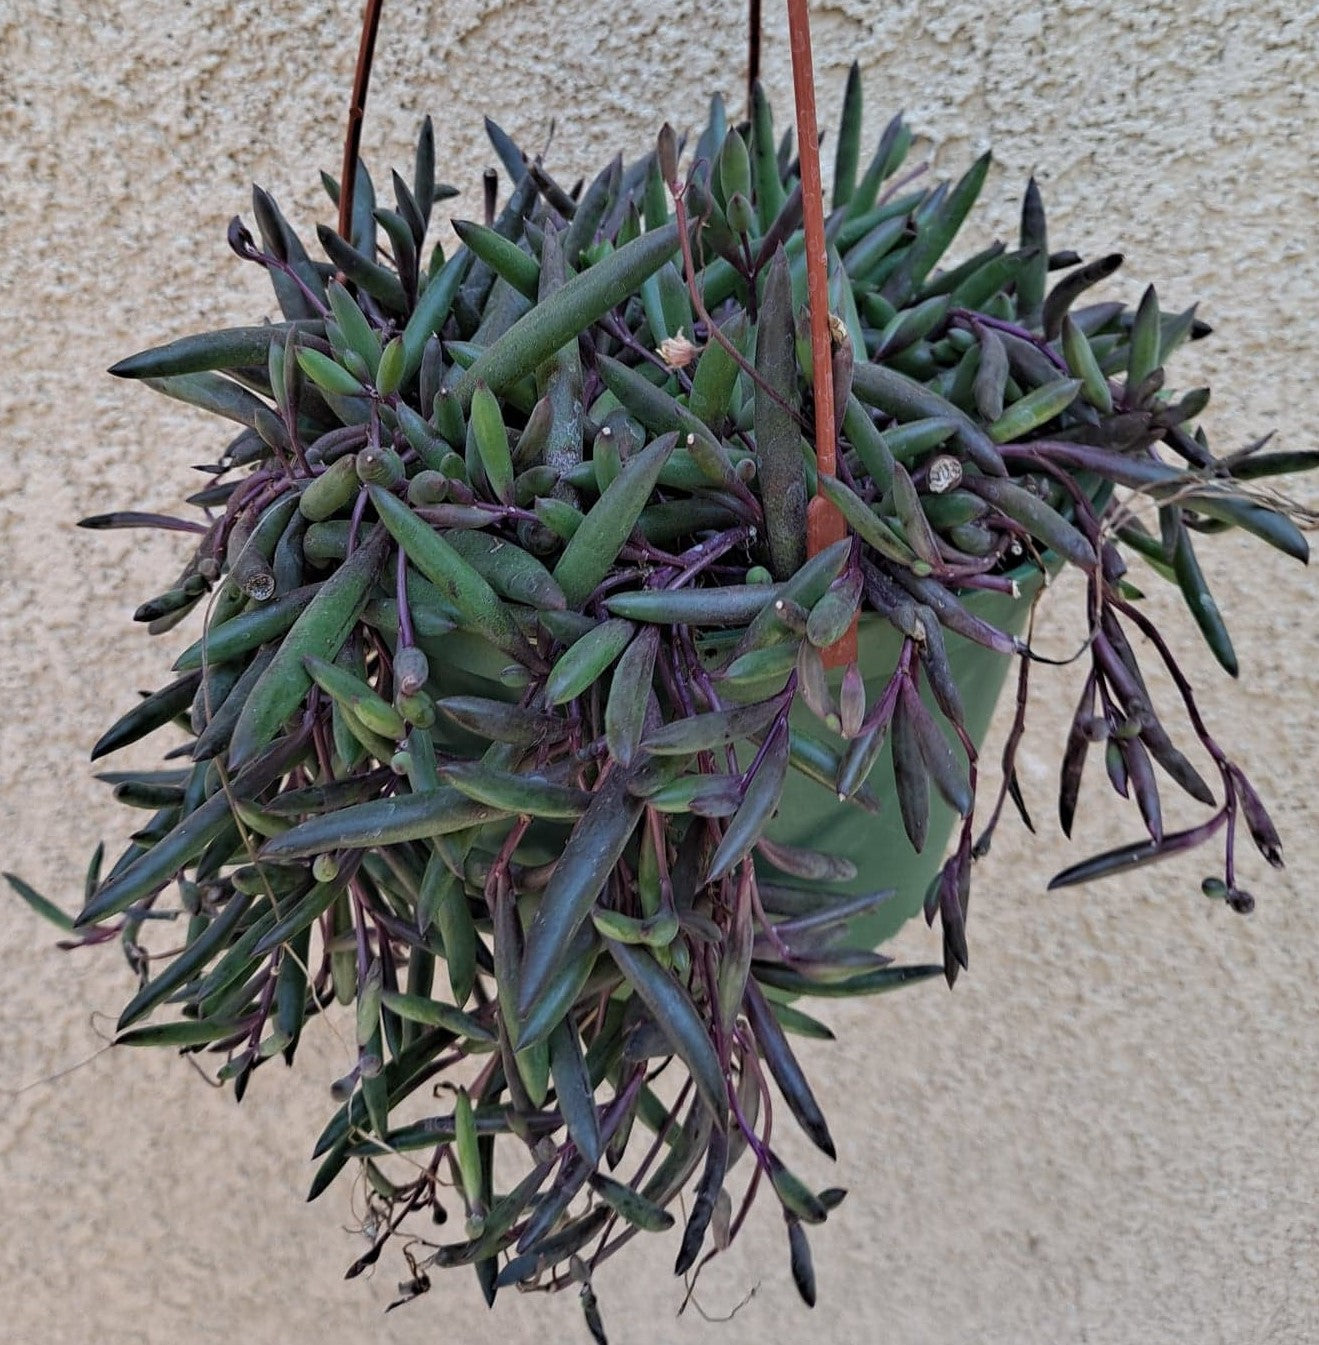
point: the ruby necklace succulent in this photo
(510, 646)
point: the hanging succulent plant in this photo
(511, 653)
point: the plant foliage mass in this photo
(505, 610)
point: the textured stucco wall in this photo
(1107, 1134)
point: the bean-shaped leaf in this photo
(1036, 408)
(876, 982)
(1124, 858)
(1260, 824)
(703, 1202)
(223, 397)
(42, 905)
(248, 630)
(320, 630)
(992, 375)
(573, 1091)
(602, 533)
(166, 857)
(945, 771)
(1191, 580)
(583, 663)
(734, 605)
(149, 714)
(629, 695)
(183, 967)
(811, 865)
(503, 256)
(910, 776)
(515, 792)
(635, 1208)
(866, 523)
(1040, 519)
(759, 801)
(1074, 754)
(1074, 284)
(404, 817)
(1140, 774)
(595, 846)
(582, 301)
(907, 399)
(672, 1008)
(708, 732)
(800, 1263)
(232, 348)
(1270, 525)
(478, 606)
(1033, 235)
(787, 1072)
(779, 459)
(798, 1199)
(486, 426)
(911, 514)
(501, 722)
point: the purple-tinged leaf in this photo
(1134, 856)
(1262, 831)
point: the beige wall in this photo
(1107, 1134)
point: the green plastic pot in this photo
(810, 814)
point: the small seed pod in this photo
(379, 466)
(411, 670)
(1241, 902)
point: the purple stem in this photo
(707, 552)
(405, 635)
(355, 522)
(1012, 329)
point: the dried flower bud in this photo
(677, 351)
(666, 148)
